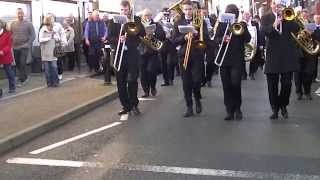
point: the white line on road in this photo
(124, 117)
(147, 99)
(216, 172)
(61, 143)
(317, 91)
(51, 162)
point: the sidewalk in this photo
(35, 109)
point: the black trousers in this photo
(231, 83)
(210, 68)
(191, 80)
(148, 76)
(303, 82)
(127, 83)
(107, 65)
(71, 60)
(168, 63)
(281, 99)
(60, 65)
(315, 73)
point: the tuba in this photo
(303, 37)
(150, 40)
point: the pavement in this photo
(35, 109)
(161, 144)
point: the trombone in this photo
(237, 29)
(131, 29)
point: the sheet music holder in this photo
(119, 19)
(227, 18)
(310, 27)
(150, 29)
(184, 29)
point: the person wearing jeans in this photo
(23, 35)
(47, 40)
(6, 56)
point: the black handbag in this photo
(58, 50)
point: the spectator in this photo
(6, 56)
(60, 37)
(95, 35)
(23, 36)
(76, 26)
(85, 47)
(47, 39)
(69, 49)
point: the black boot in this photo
(189, 112)
(238, 114)
(198, 107)
(274, 114)
(136, 110)
(122, 112)
(284, 112)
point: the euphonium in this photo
(303, 37)
(177, 7)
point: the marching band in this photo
(185, 35)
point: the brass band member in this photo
(150, 63)
(192, 75)
(281, 58)
(168, 53)
(232, 66)
(307, 65)
(127, 76)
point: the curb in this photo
(30, 133)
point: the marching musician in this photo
(253, 66)
(210, 66)
(281, 57)
(150, 63)
(232, 66)
(307, 66)
(168, 53)
(316, 36)
(192, 75)
(127, 83)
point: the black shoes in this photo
(308, 96)
(153, 91)
(198, 107)
(284, 112)
(274, 114)
(145, 95)
(123, 112)
(188, 113)
(165, 84)
(299, 96)
(238, 115)
(136, 110)
(229, 117)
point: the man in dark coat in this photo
(127, 77)
(192, 74)
(232, 66)
(281, 59)
(150, 63)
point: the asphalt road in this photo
(161, 144)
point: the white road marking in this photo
(317, 91)
(61, 143)
(51, 162)
(147, 99)
(216, 172)
(124, 117)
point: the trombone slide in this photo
(187, 53)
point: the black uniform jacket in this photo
(235, 53)
(282, 50)
(132, 42)
(178, 39)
